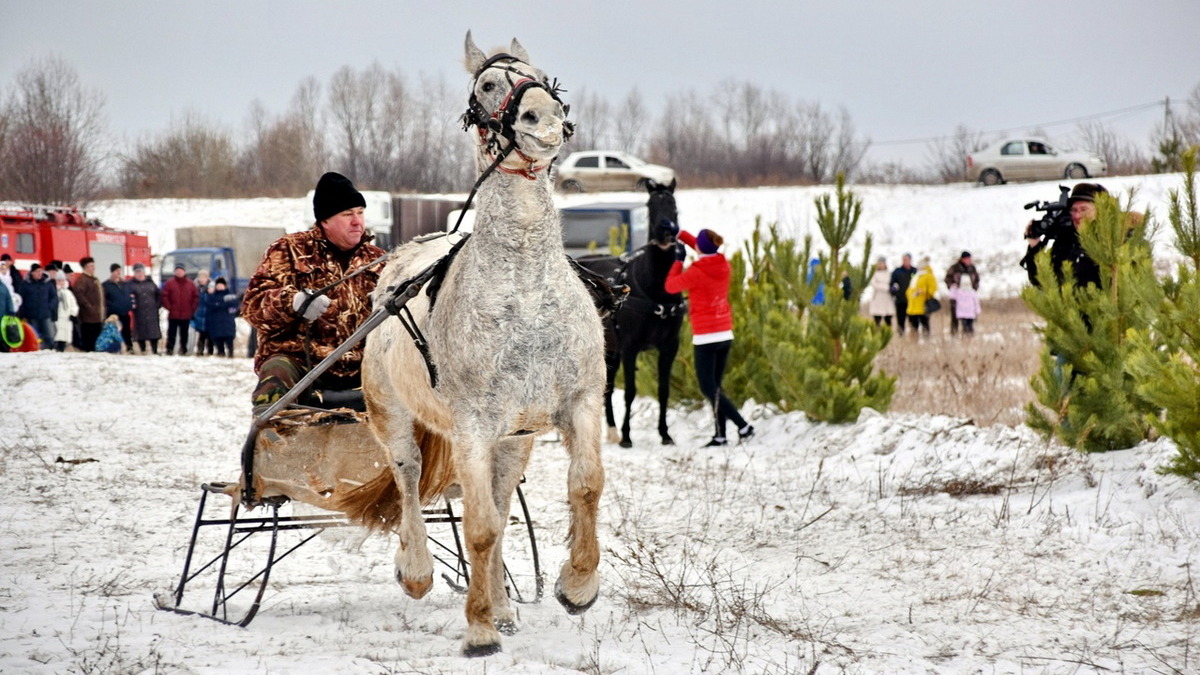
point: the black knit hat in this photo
(334, 194)
(1085, 192)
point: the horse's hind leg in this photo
(612, 361)
(482, 527)
(510, 459)
(578, 581)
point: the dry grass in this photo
(984, 377)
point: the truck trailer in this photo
(230, 251)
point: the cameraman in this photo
(1081, 206)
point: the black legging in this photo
(710, 370)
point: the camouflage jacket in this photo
(307, 261)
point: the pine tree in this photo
(1085, 397)
(768, 299)
(836, 354)
(1166, 360)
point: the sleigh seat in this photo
(309, 457)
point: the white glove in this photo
(315, 308)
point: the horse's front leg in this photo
(629, 362)
(414, 564)
(666, 359)
(482, 525)
(578, 582)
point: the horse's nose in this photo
(547, 128)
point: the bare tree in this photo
(947, 156)
(816, 141)
(191, 159)
(629, 127)
(1123, 157)
(592, 115)
(368, 110)
(50, 147)
(687, 139)
(285, 154)
(281, 159)
(848, 148)
(436, 155)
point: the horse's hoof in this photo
(475, 651)
(667, 440)
(415, 589)
(506, 626)
(626, 443)
(572, 608)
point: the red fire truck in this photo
(40, 234)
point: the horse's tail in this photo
(376, 504)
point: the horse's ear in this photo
(518, 51)
(651, 185)
(671, 187)
(474, 57)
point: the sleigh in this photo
(293, 470)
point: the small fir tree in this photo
(1085, 397)
(1166, 360)
(768, 300)
(836, 353)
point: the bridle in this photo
(495, 126)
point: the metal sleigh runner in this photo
(457, 384)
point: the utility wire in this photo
(1072, 120)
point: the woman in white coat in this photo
(67, 309)
(882, 303)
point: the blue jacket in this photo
(220, 310)
(39, 299)
(116, 298)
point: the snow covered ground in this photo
(897, 544)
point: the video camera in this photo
(1058, 216)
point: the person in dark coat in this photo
(39, 305)
(147, 300)
(902, 276)
(221, 308)
(118, 302)
(1064, 240)
(8, 269)
(90, 297)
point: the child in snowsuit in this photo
(966, 305)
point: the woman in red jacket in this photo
(707, 284)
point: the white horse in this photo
(518, 348)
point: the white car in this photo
(597, 170)
(1031, 159)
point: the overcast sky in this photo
(904, 70)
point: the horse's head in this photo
(661, 206)
(515, 108)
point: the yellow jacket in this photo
(923, 287)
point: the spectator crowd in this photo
(58, 307)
